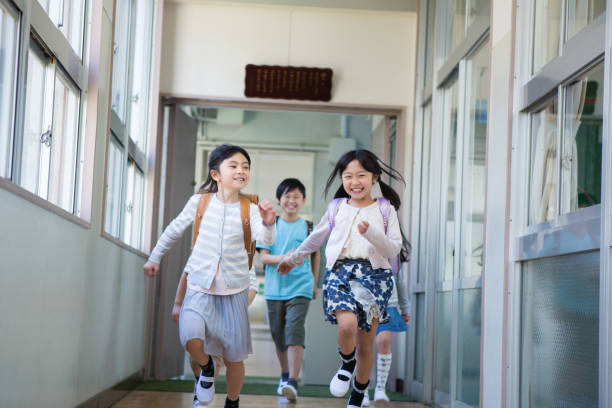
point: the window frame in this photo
(37, 29)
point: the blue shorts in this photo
(353, 285)
(396, 324)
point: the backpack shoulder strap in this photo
(202, 204)
(245, 216)
(332, 210)
(384, 206)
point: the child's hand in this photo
(176, 311)
(252, 294)
(150, 268)
(314, 293)
(283, 268)
(363, 227)
(406, 318)
(266, 210)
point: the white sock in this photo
(383, 366)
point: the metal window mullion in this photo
(136, 154)
(130, 72)
(58, 45)
(48, 120)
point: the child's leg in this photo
(295, 355)
(195, 347)
(383, 364)
(235, 378)
(283, 360)
(195, 367)
(383, 342)
(347, 329)
(365, 353)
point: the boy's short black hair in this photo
(288, 185)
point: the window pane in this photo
(560, 332)
(113, 188)
(580, 13)
(419, 361)
(9, 31)
(424, 206)
(546, 32)
(582, 142)
(64, 144)
(141, 73)
(121, 54)
(442, 342)
(429, 39)
(473, 190)
(36, 121)
(456, 25)
(543, 162)
(468, 361)
(448, 228)
(68, 16)
(478, 11)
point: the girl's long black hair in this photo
(374, 165)
(215, 159)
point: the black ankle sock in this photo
(348, 363)
(284, 376)
(208, 370)
(293, 382)
(357, 394)
(232, 404)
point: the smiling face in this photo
(233, 174)
(291, 202)
(357, 181)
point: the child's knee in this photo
(193, 345)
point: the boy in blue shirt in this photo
(288, 296)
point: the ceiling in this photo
(382, 5)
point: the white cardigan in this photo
(381, 247)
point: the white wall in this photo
(72, 303)
(207, 45)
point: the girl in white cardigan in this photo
(363, 235)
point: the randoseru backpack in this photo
(384, 206)
(245, 216)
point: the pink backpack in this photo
(384, 206)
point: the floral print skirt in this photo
(352, 284)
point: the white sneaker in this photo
(366, 399)
(279, 389)
(289, 392)
(196, 403)
(339, 386)
(205, 388)
(380, 396)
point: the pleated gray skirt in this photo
(221, 322)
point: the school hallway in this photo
(496, 113)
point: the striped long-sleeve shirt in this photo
(220, 242)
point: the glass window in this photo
(69, 17)
(430, 30)
(473, 190)
(477, 11)
(582, 142)
(456, 25)
(114, 177)
(448, 228)
(36, 141)
(543, 164)
(121, 56)
(141, 74)
(546, 32)
(419, 361)
(560, 332)
(443, 341)
(468, 363)
(133, 206)
(64, 144)
(580, 13)
(9, 34)
(424, 206)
